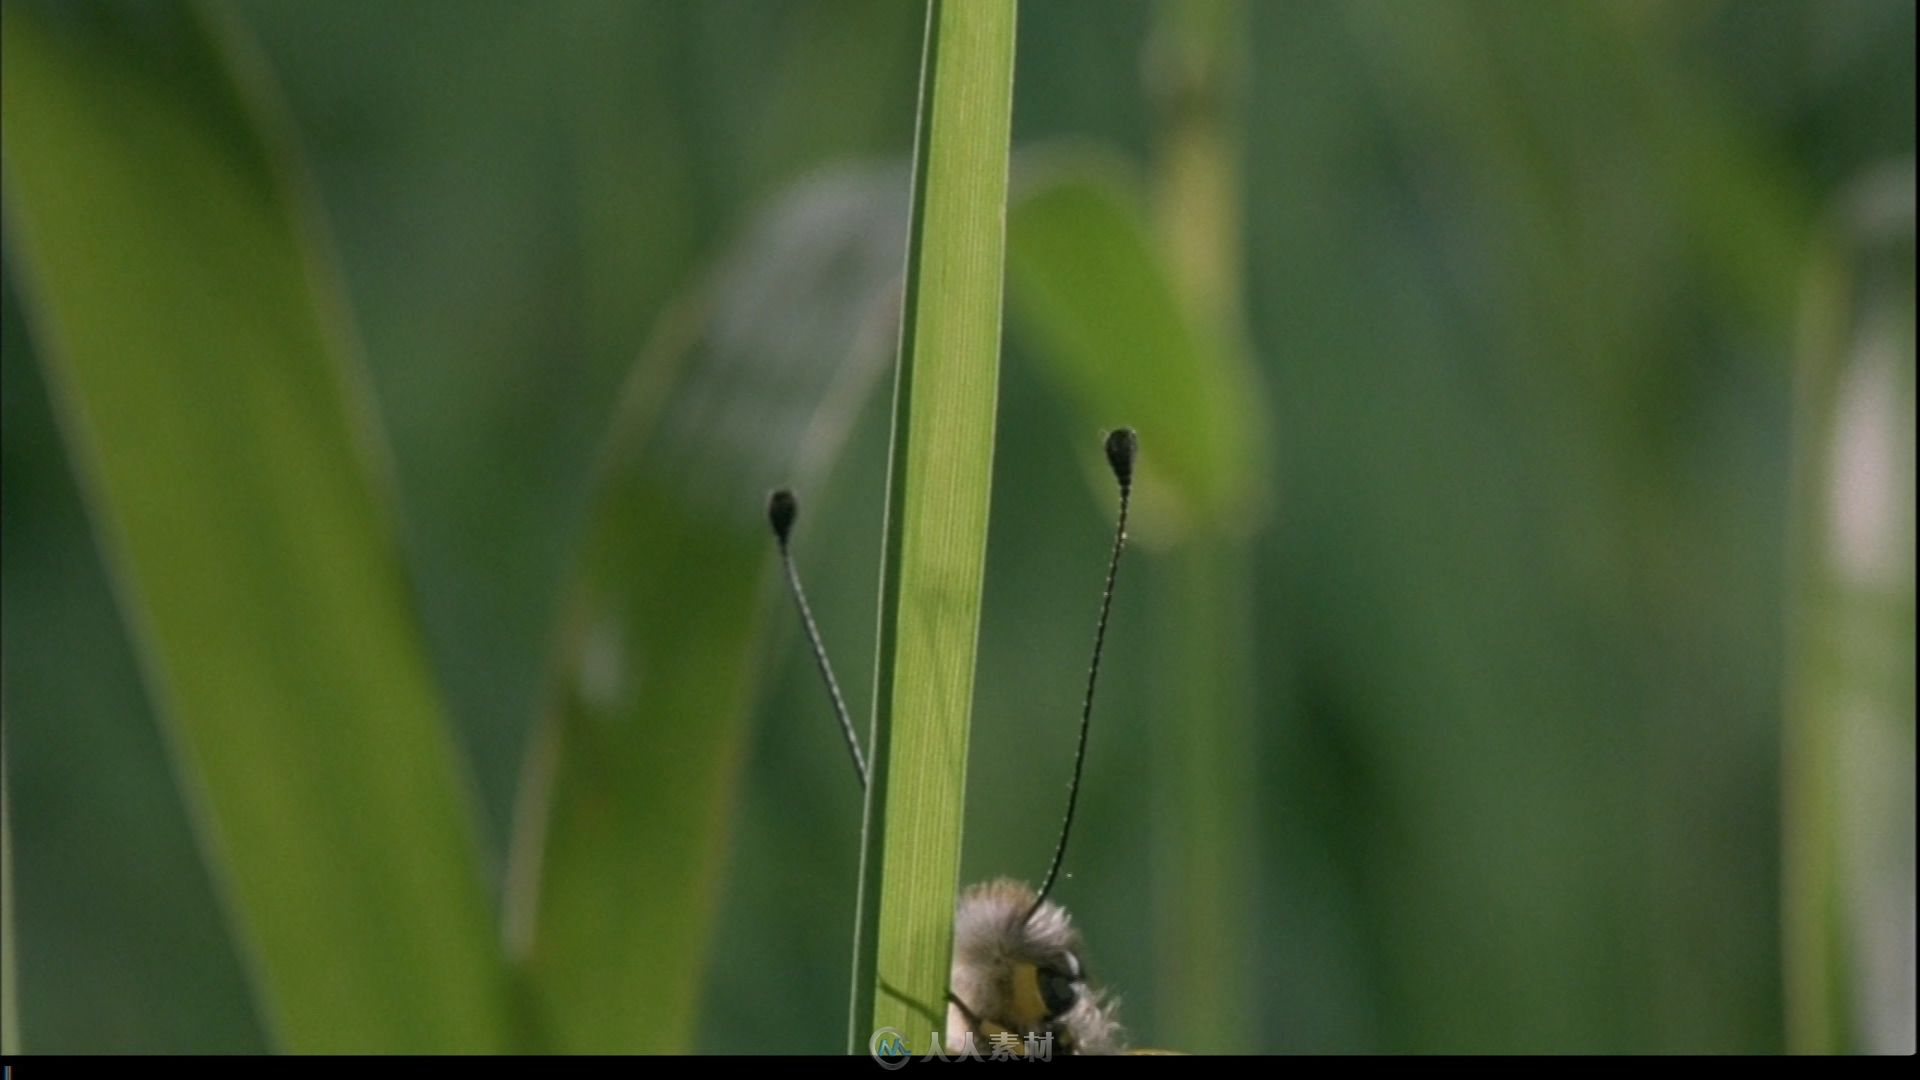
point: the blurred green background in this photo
(1524, 288)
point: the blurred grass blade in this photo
(1094, 293)
(621, 830)
(211, 409)
(9, 959)
(1131, 333)
(1848, 749)
(1204, 884)
(938, 493)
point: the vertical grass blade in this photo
(1204, 881)
(937, 500)
(1848, 742)
(1098, 301)
(207, 397)
(1145, 324)
(9, 959)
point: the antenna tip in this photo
(1122, 447)
(782, 508)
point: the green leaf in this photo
(621, 834)
(211, 406)
(938, 494)
(1092, 291)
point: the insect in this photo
(1017, 958)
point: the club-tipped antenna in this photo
(1122, 446)
(782, 509)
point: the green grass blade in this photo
(1204, 883)
(9, 959)
(1144, 326)
(1847, 756)
(210, 406)
(622, 829)
(1100, 300)
(941, 470)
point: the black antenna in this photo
(782, 508)
(1122, 446)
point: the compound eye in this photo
(1057, 992)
